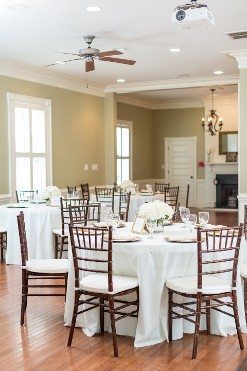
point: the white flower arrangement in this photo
(156, 210)
(46, 193)
(127, 184)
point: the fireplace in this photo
(227, 191)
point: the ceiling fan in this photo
(89, 54)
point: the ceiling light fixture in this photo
(93, 8)
(218, 72)
(213, 123)
(175, 50)
(120, 80)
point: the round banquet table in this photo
(153, 261)
(40, 221)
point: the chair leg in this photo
(235, 310)
(208, 316)
(61, 248)
(56, 246)
(1, 245)
(72, 327)
(113, 327)
(23, 297)
(197, 326)
(102, 322)
(170, 295)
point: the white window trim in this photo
(12, 99)
(129, 124)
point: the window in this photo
(30, 142)
(124, 168)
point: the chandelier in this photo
(213, 122)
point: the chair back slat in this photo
(92, 251)
(22, 238)
(218, 252)
(124, 202)
(161, 187)
(71, 189)
(106, 195)
(85, 214)
(85, 190)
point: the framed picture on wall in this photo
(232, 157)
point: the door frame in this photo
(166, 171)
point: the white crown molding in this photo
(172, 84)
(40, 76)
(240, 56)
(178, 104)
(227, 100)
(133, 101)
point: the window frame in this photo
(129, 125)
(17, 100)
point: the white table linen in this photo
(40, 221)
(153, 261)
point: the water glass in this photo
(149, 188)
(191, 220)
(76, 194)
(184, 212)
(114, 220)
(203, 218)
(151, 224)
(137, 187)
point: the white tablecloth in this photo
(153, 261)
(40, 221)
(135, 202)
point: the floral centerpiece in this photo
(127, 184)
(156, 210)
(46, 193)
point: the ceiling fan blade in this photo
(118, 60)
(62, 62)
(109, 52)
(89, 66)
(67, 53)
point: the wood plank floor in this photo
(41, 343)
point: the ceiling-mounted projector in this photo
(192, 15)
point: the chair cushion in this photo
(47, 265)
(59, 232)
(188, 285)
(3, 229)
(99, 283)
(243, 270)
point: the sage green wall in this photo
(142, 138)
(77, 132)
(242, 131)
(183, 122)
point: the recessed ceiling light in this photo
(93, 8)
(120, 80)
(175, 50)
(218, 72)
(19, 7)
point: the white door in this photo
(180, 166)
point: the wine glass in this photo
(184, 212)
(151, 226)
(137, 187)
(203, 218)
(191, 220)
(114, 220)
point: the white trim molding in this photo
(240, 56)
(5, 199)
(242, 200)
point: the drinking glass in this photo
(203, 218)
(184, 212)
(149, 188)
(191, 220)
(137, 187)
(114, 220)
(76, 194)
(106, 216)
(151, 226)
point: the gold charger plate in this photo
(123, 239)
(180, 240)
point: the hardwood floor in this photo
(41, 344)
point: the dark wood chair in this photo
(161, 187)
(35, 269)
(71, 190)
(243, 267)
(171, 198)
(105, 195)
(92, 252)
(85, 215)
(3, 241)
(217, 254)
(123, 199)
(61, 234)
(187, 196)
(25, 196)
(85, 192)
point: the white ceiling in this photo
(31, 37)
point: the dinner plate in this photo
(180, 239)
(124, 239)
(104, 225)
(146, 194)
